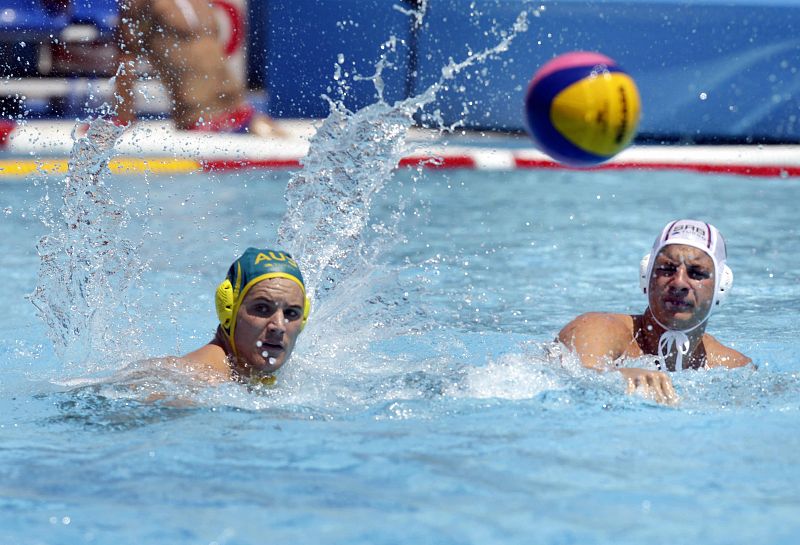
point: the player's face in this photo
(681, 286)
(268, 323)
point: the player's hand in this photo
(655, 385)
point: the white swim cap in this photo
(697, 234)
(702, 236)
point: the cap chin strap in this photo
(670, 340)
(674, 339)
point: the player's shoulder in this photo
(603, 319)
(719, 355)
(606, 323)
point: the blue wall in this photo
(705, 70)
(302, 46)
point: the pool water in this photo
(423, 403)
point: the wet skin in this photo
(681, 286)
(269, 320)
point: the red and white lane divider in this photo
(155, 147)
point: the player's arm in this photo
(129, 49)
(599, 339)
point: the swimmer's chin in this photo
(266, 364)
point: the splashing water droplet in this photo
(87, 268)
(350, 159)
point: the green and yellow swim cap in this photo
(252, 267)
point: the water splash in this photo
(86, 268)
(417, 14)
(351, 158)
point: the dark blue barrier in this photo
(303, 44)
(37, 20)
(31, 20)
(45, 19)
(101, 14)
(706, 71)
(24, 24)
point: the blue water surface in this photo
(423, 403)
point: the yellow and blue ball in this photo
(582, 108)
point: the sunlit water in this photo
(421, 405)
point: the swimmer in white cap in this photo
(685, 278)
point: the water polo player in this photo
(262, 308)
(685, 278)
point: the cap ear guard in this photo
(725, 285)
(224, 303)
(725, 281)
(643, 280)
(306, 312)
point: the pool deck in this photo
(156, 147)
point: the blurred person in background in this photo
(180, 40)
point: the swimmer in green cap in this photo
(262, 308)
